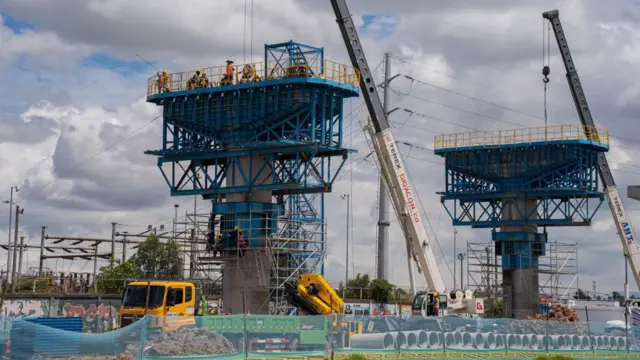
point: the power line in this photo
(503, 107)
(472, 97)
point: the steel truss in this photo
(561, 177)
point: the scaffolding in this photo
(280, 249)
(558, 270)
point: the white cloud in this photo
(80, 109)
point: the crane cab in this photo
(429, 304)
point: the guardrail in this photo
(252, 72)
(520, 136)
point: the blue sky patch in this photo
(14, 24)
(114, 63)
(378, 26)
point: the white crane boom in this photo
(391, 163)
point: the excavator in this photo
(313, 295)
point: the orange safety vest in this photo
(229, 71)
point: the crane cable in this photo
(546, 70)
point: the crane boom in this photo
(391, 163)
(623, 223)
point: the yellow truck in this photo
(171, 303)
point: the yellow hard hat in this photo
(164, 71)
(235, 227)
(204, 73)
(435, 293)
(197, 70)
(218, 234)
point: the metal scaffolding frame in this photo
(294, 247)
(558, 270)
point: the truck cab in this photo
(163, 300)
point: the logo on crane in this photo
(409, 196)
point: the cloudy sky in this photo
(74, 121)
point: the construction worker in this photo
(233, 237)
(227, 79)
(436, 304)
(249, 74)
(204, 81)
(162, 80)
(242, 243)
(211, 241)
(217, 248)
(194, 81)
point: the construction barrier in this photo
(310, 337)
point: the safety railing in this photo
(252, 336)
(215, 76)
(520, 136)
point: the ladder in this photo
(262, 279)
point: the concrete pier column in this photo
(246, 279)
(520, 247)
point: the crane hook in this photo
(546, 71)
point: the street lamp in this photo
(10, 202)
(455, 250)
(175, 220)
(346, 271)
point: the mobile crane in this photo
(630, 246)
(397, 181)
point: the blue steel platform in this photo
(263, 144)
(555, 166)
(516, 180)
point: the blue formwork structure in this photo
(515, 181)
(263, 145)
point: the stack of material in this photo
(559, 313)
(181, 342)
(189, 341)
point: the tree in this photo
(358, 288)
(580, 295)
(618, 297)
(159, 261)
(381, 290)
(114, 276)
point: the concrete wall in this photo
(99, 313)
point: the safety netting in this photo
(334, 336)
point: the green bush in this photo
(355, 357)
(552, 357)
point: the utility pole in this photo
(41, 252)
(124, 246)
(383, 197)
(113, 245)
(455, 251)
(346, 270)
(20, 261)
(15, 247)
(10, 202)
(95, 268)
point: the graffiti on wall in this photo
(98, 316)
(95, 318)
(25, 308)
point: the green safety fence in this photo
(320, 337)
